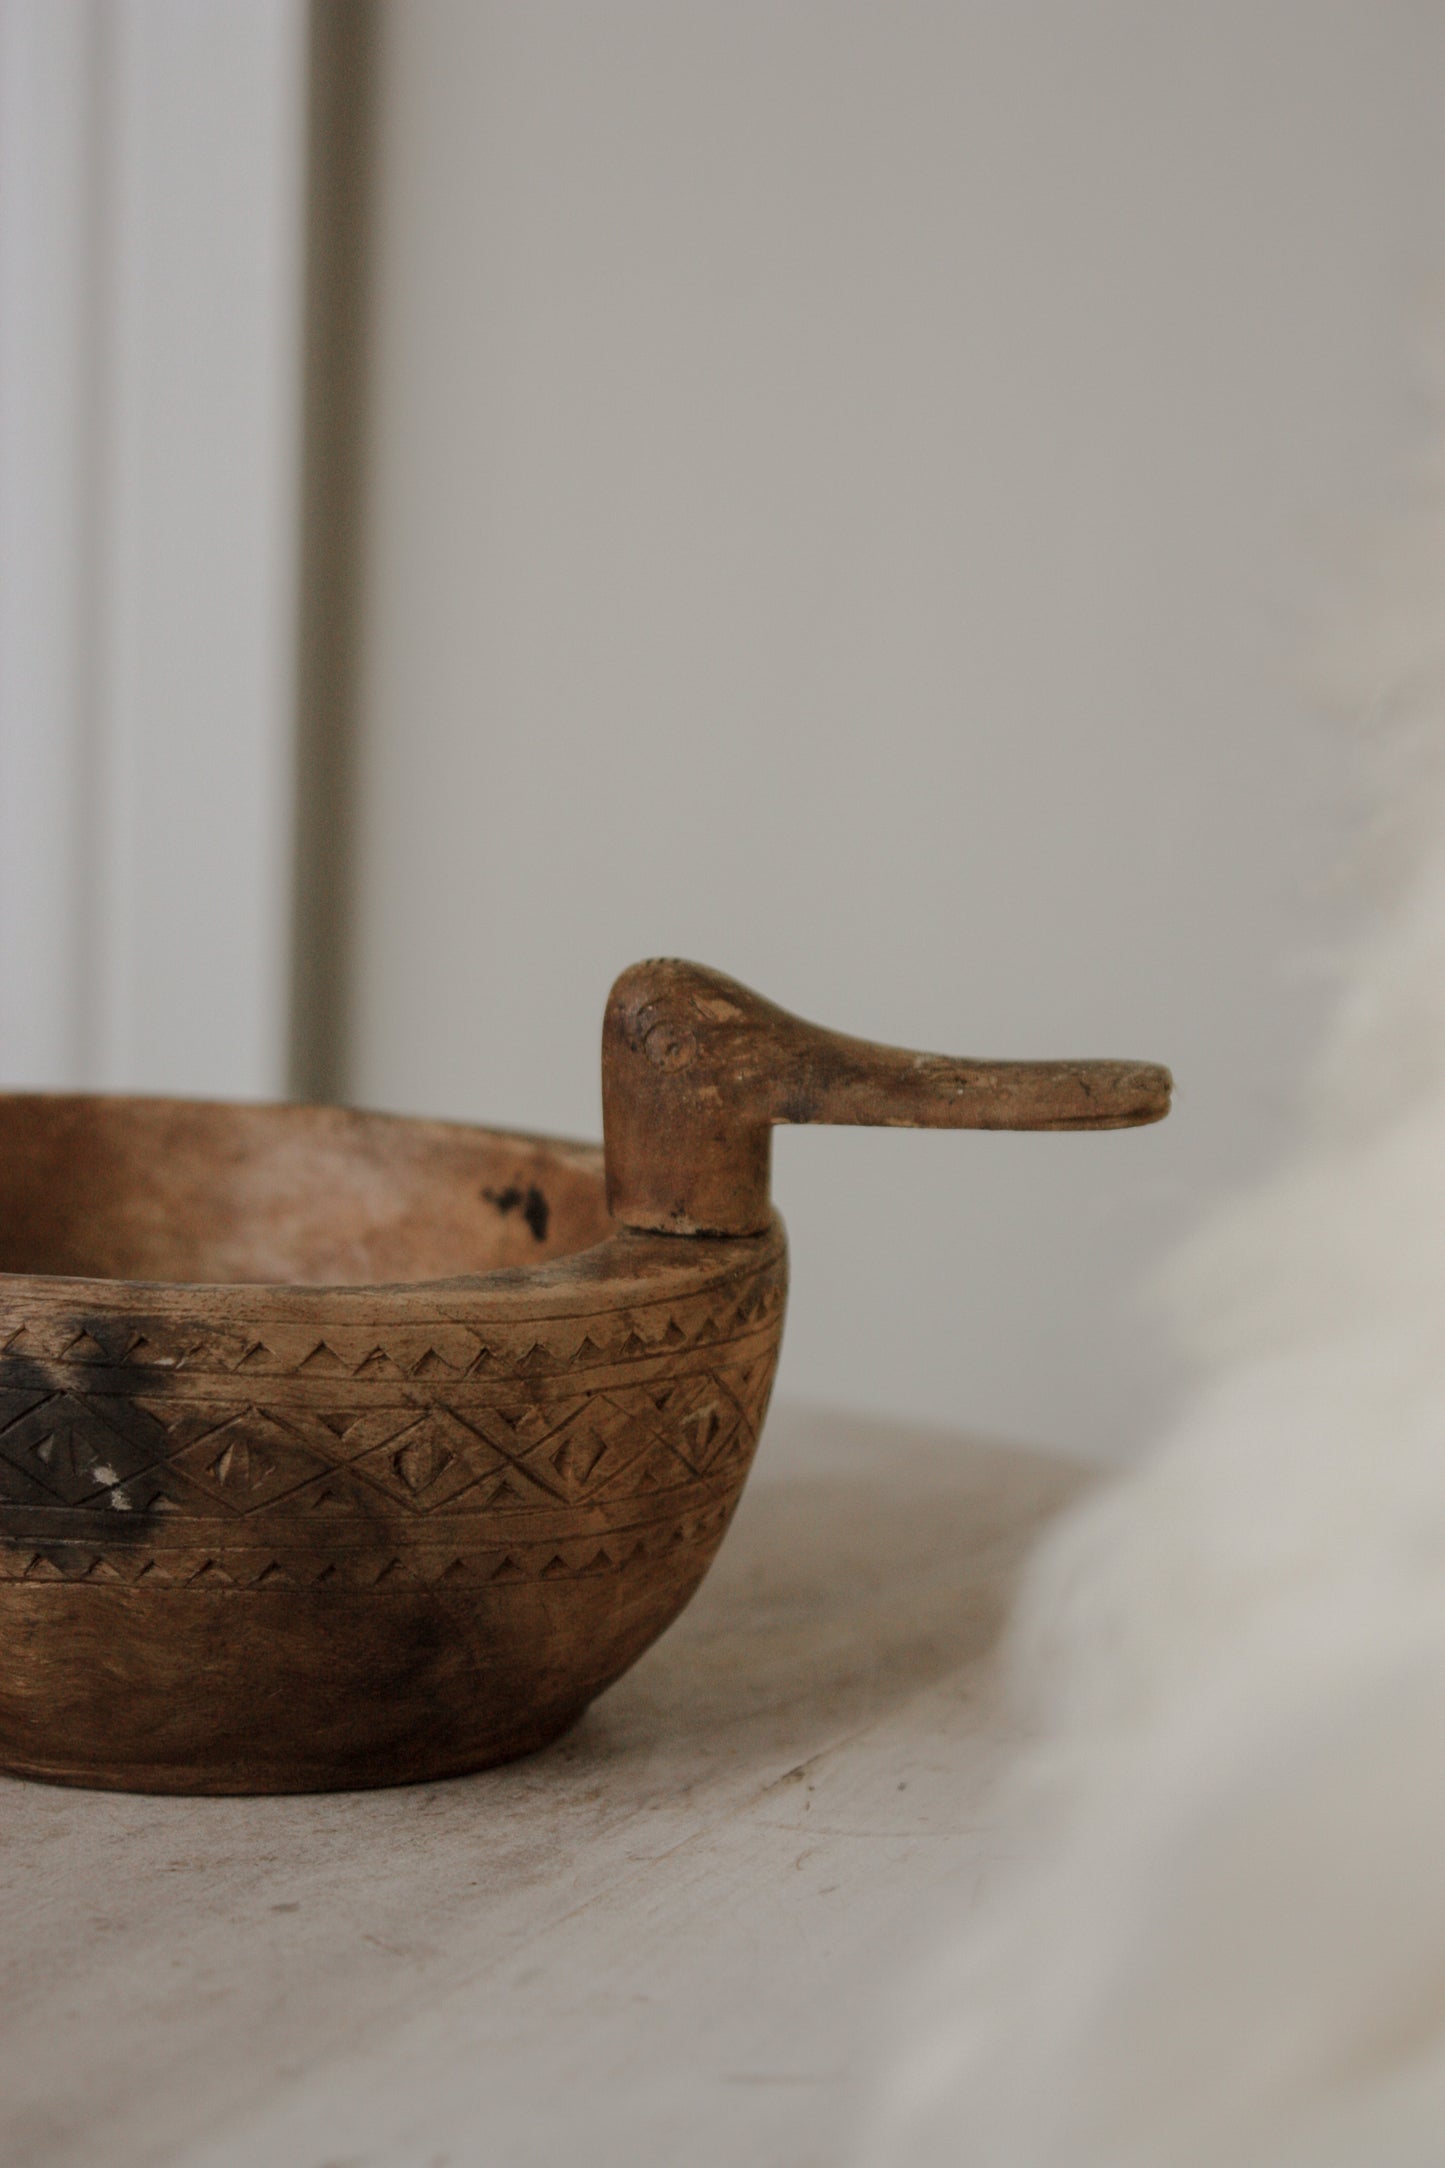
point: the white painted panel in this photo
(49, 161)
(199, 662)
(852, 491)
(153, 295)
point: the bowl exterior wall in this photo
(268, 1539)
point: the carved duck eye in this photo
(669, 1045)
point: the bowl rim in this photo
(622, 1257)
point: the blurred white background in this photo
(845, 492)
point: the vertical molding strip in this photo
(340, 132)
(49, 195)
(152, 222)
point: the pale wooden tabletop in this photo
(660, 1942)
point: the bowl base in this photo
(299, 1778)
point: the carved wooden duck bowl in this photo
(338, 1449)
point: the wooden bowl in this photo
(338, 1449)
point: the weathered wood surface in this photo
(274, 1535)
(697, 1071)
(661, 1941)
(338, 1449)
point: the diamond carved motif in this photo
(422, 1460)
(65, 1447)
(430, 1463)
(577, 1457)
(249, 1462)
(701, 1432)
(523, 1453)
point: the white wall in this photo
(851, 487)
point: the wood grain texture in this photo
(698, 1070)
(343, 1450)
(279, 1537)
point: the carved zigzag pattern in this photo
(194, 1567)
(139, 1449)
(149, 1456)
(551, 1347)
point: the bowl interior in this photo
(194, 1191)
